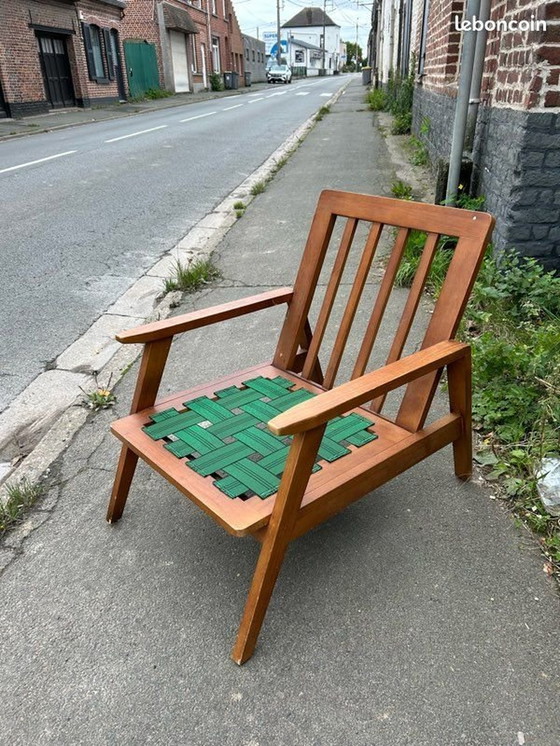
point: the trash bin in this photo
(231, 80)
(366, 75)
(248, 79)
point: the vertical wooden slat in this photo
(304, 286)
(407, 318)
(330, 295)
(467, 258)
(352, 305)
(381, 303)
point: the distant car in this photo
(280, 73)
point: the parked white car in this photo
(279, 73)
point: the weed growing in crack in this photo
(258, 188)
(193, 277)
(101, 398)
(21, 496)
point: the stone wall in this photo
(516, 166)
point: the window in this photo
(225, 13)
(216, 54)
(214, 11)
(247, 54)
(94, 52)
(253, 55)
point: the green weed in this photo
(192, 278)
(21, 496)
(258, 188)
(400, 190)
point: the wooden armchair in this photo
(274, 450)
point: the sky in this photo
(256, 16)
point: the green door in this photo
(141, 67)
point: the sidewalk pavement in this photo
(61, 118)
(420, 616)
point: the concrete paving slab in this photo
(96, 347)
(139, 300)
(36, 408)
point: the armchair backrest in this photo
(396, 219)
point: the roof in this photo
(176, 18)
(309, 17)
(304, 44)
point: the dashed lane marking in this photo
(40, 160)
(198, 116)
(135, 134)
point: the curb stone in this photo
(198, 244)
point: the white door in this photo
(180, 64)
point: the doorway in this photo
(55, 66)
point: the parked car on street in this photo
(279, 73)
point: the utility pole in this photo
(278, 46)
(323, 44)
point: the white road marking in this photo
(135, 134)
(199, 116)
(229, 108)
(40, 160)
(303, 93)
(278, 93)
(254, 101)
(324, 94)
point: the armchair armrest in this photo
(166, 328)
(330, 404)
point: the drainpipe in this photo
(462, 104)
(478, 69)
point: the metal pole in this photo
(478, 69)
(462, 104)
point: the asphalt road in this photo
(87, 210)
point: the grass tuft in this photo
(192, 278)
(21, 496)
(258, 188)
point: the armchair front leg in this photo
(145, 393)
(278, 535)
(459, 378)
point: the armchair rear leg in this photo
(278, 536)
(123, 478)
(460, 401)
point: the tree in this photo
(353, 51)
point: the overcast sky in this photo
(256, 16)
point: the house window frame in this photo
(98, 66)
(216, 61)
(214, 8)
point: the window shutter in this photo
(109, 53)
(89, 52)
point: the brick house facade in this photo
(190, 39)
(59, 53)
(515, 151)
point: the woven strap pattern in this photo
(227, 437)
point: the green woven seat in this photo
(227, 437)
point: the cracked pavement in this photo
(420, 616)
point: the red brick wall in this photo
(141, 22)
(522, 68)
(20, 67)
(442, 46)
